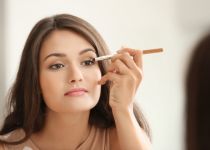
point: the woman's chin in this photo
(75, 106)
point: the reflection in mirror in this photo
(198, 97)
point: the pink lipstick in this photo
(76, 92)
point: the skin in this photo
(59, 74)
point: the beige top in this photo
(98, 139)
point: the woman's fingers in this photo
(127, 62)
(115, 69)
(137, 55)
(110, 76)
(119, 67)
(126, 58)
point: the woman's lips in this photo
(76, 92)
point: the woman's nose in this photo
(75, 74)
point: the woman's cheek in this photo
(96, 88)
(51, 86)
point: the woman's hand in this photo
(125, 74)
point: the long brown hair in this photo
(26, 104)
(198, 97)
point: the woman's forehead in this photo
(64, 41)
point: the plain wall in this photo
(2, 57)
(171, 24)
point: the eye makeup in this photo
(88, 62)
(56, 66)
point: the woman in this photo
(62, 99)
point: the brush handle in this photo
(148, 51)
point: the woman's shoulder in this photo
(114, 140)
(16, 135)
(2, 147)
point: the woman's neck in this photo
(63, 131)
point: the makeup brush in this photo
(148, 51)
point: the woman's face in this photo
(68, 78)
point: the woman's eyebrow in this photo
(86, 50)
(55, 55)
(64, 55)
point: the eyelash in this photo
(88, 62)
(56, 66)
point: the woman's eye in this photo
(88, 62)
(56, 66)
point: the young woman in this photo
(62, 99)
